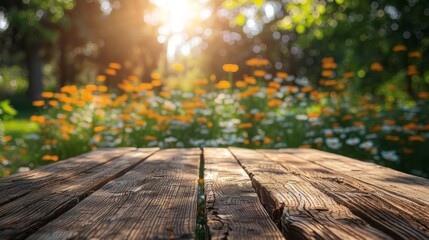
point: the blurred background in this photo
(46, 44)
(380, 46)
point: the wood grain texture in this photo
(304, 211)
(19, 184)
(58, 193)
(233, 208)
(155, 200)
(399, 217)
(397, 183)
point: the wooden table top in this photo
(148, 193)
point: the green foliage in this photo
(6, 111)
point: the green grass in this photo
(20, 127)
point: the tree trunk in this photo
(64, 66)
(35, 75)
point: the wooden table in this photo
(128, 193)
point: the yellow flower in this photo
(223, 84)
(156, 83)
(230, 68)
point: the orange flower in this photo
(177, 67)
(53, 103)
(306, 89)
(268, 140)
(7, 138)
(47, 94)
(274, 85)
(412, 70)
(327, 73)
(415, 54)
(155, 76)
(101, 78)
(223, 84)
(282, 75)
(91, 87)
(244, 125)
(209, 124)
(201, 119)
(348, 75)
(99, 129)
(392, 138)
(377, 67)
(327, 59)
(38, 103)
(250, 80)
(102, 88)
(329, 65)
(259, 73)
(415, 138)
(67, 108)
(156, 83)
(399, 48)
(274, 102)
(423, 95)
(256, 62)
(50, 158)
(111, 72)
(241, 84)
(150, 138)
(212, 77)
(230, 68)
(116, 66)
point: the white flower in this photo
(301, 117)
(353, 141)
(390, 155)
(333, 143)
(24, 169)
(170, 139)
(366, 145)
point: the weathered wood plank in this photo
(305, 211)
(19, 184)
(397, 183)
(155, 200)
(233, 208)
(23, 216)
(398, 217)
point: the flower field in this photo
(260, 109)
